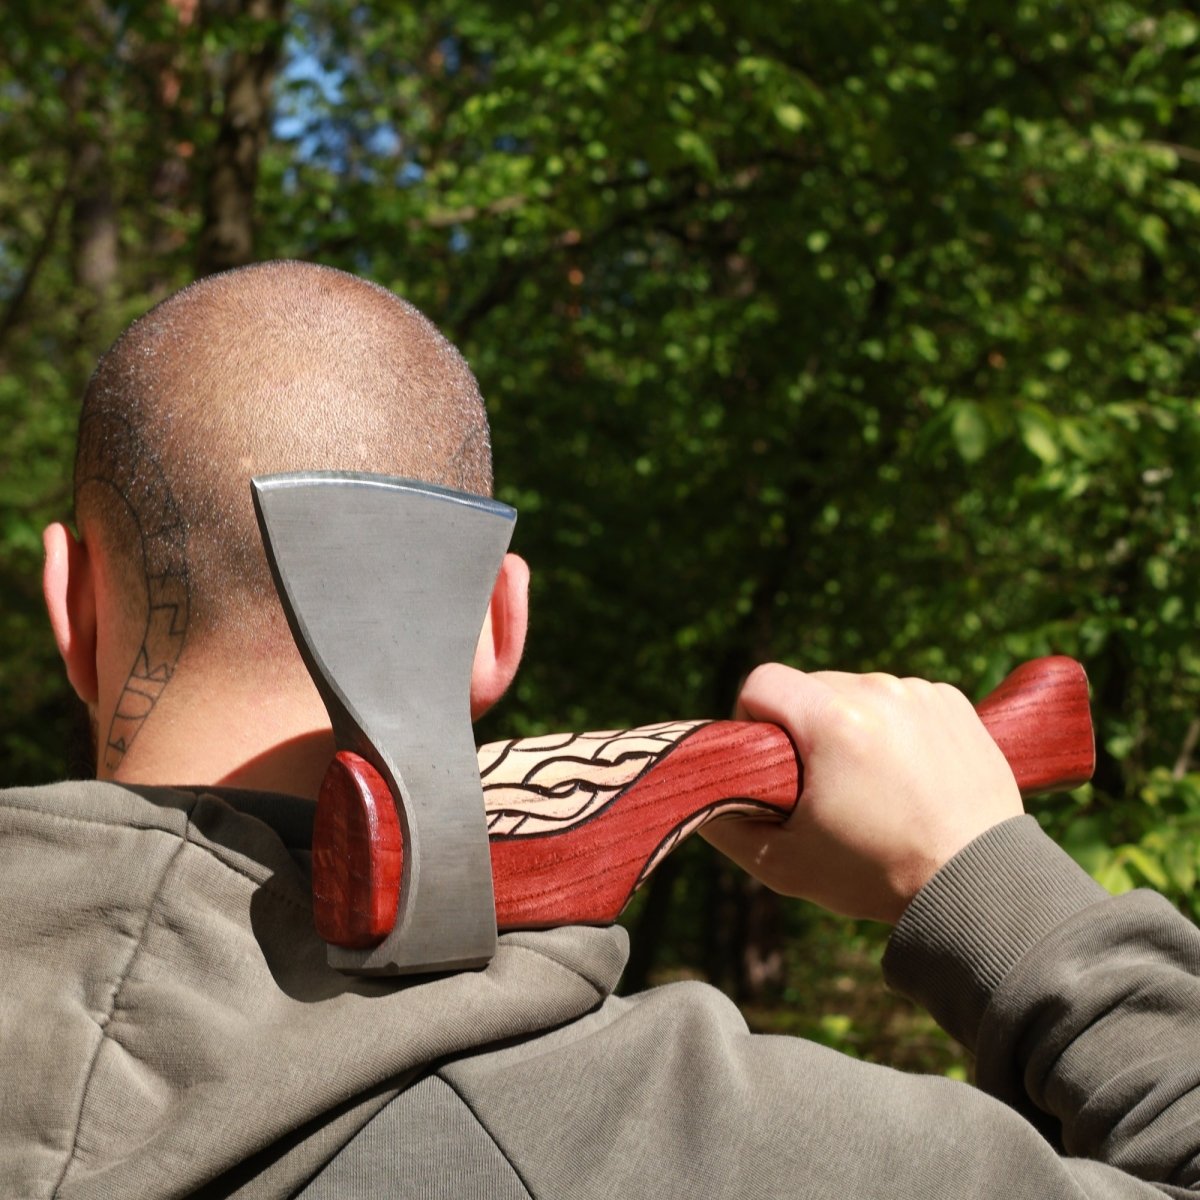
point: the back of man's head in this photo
(277, 367)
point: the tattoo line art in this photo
(117, 459)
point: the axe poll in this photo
(423, 845)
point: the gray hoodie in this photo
(168, 1027)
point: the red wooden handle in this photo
(1041, 719)
(578, 821)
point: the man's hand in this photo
(899, 775)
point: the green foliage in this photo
(1155, 843)
(856, 335)
(90, 149)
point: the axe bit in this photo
(385, 583)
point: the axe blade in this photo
(385, 583)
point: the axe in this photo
(423, 845)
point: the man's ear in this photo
(69, 587)
(502, 640)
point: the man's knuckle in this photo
(767, 675)
(883, 684)
(848, 720)
(951, 695)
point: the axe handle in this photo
(578, 822)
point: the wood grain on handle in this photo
(1041, 718)
(578, 821)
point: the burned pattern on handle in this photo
(578, 821)
(544, 785)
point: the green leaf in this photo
(1152, 229)
(1084, 841)
(969, 429)
(925, 344)
(1114, 877)
(790, 116)
(1158, 572)
(1147, 866)
(693, 146)
(1038, 434)
(1181, 865)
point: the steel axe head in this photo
(385, 583)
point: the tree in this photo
(854, 335)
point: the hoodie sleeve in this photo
(1083, 1009)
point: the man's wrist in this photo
(970, 924)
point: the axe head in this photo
(385, 583)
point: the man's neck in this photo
(296, 766)
(233, 736)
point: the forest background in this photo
(853, 334)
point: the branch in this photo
(18, 298)
(1034, 68)
(514, 269)
(745, 176)
(1179, 770)
(1187, 153)
(471, 212)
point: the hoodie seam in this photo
(512, 1166)
(601, 992)
(266, 882)
(104, 1023)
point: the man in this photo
(169, 1026)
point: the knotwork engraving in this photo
(544, 785)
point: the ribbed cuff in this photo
(970, 924)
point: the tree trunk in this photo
(170, 67)
(95, 247)
(227, 235)
(761, 976)
(645, 939)
(94, 218)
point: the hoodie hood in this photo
(167, 1018)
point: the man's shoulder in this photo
(687, 1019)
(155, 806)
(258, 836)
(98, 802)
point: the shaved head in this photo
(277, 367)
